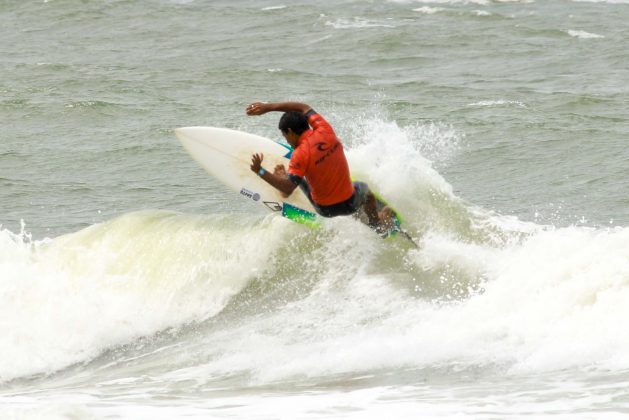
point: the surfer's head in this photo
(292, 125)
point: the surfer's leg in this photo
(371, 210)
(380, 221)
(387, 218)
(366, 200)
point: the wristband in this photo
(261, 172)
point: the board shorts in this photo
(344, 208)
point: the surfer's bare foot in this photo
(381, 221)
(387, 219)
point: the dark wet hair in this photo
(296, 121)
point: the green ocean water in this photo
(135, 286)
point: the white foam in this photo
(49, 411)
(427, 10)
(603, 1)
(483, 290)
(536, 299)
(273, 8)
(376, 149)
(479, 2)
(583, 34)
(555, 301)
(66, 300)
(499, 102)
(358, 23)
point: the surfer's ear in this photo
(291, 137)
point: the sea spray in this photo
(554, 301)
(68, 299)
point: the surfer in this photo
(318, 166)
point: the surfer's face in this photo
(291, 137)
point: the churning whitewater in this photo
(135, 286)
(272, 301)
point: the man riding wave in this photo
(318, 166)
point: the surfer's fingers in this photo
(256, 160)
(256, 108)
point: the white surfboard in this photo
(226, 155)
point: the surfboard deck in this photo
(226, 155)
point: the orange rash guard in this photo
(319, 158)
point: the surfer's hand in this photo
(257, 108)
(256, 162)
(280, 170)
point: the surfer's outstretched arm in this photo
(279, 180)
(259, 108)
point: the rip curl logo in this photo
(250, 194)
(329, 152)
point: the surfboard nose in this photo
(186, 134)
(181, 131)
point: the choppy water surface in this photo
(134, 286)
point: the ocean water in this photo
(134, 286)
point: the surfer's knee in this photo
(370, 199)
(387, 217)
